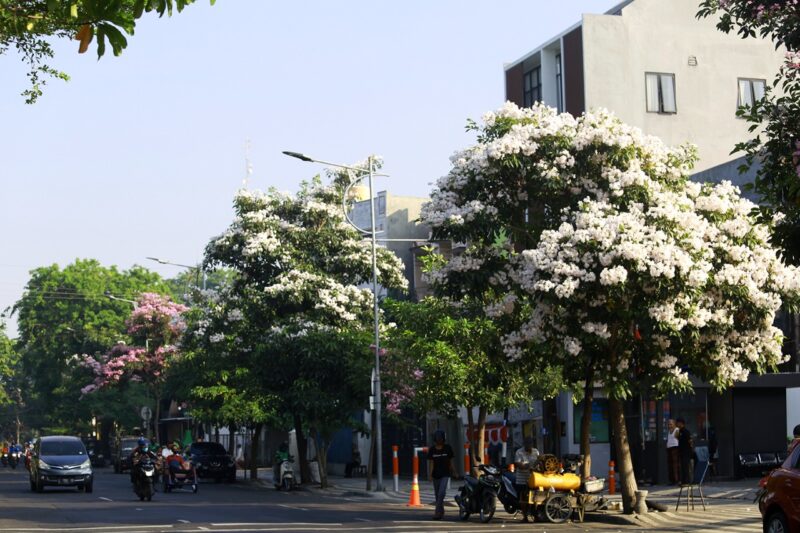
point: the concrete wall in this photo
(659, 36)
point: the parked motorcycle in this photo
(507, 493)
(479, 495)
(143, 478)
(285, 479)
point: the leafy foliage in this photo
(30, 25)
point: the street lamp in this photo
(190, 267)
(376, 311)
(118, 299)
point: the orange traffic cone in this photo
(413, 499)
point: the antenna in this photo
(248, 166)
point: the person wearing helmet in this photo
(141, 450)
(440, 469)
(175, 462)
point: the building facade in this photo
(658, 67)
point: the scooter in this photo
(507, 493)
(144, 474)
(479, 495)
(285, 478)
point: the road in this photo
(245, 507)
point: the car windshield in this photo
(208, 448)
(62, 447)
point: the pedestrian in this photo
(673, 465)
(440, 469)
(355, 461)
(685, 445)
(525, 459)
(239, 457)
(796, 441)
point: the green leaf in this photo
(100, 33)
(116, 38)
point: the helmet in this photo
(142, 441)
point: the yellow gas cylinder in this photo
(567, 481)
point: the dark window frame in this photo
(529, 89)
(559, 84)
(661, 106)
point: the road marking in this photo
(96, 528)
(184, 521)
(105, 499)
(274, 524)
(292, 507)
(363, 519)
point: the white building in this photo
(655, 65)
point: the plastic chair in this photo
(700, 471)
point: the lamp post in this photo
(190, 267)
(376, 382)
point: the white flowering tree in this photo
(300, 272)
(605, 259)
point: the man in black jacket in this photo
(684, 451)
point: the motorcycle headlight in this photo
(86, 464)
(42, 464)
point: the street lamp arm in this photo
(344, 206)
(307, 159)
(118, 299)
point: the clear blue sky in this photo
(140, 155)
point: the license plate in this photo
(63, 480)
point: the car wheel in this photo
(776, 523)
(39, 486)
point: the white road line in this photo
(274, 524)
(184, 521)
(363, 519)
(105, 499)
(292, 507)
(96, 528)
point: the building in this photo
(658, 67)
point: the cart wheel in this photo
(581, 512)
(557, 508)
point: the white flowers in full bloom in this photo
(617, 252)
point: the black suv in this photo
(60, 461)
(212, 461)
(122, 455)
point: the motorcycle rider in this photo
(175, 462)
(140, 452)
(525, 459)
(280, 456)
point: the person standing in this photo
(355, 461)
(525, 459)
(440, 469)
(684, 451)
(673, 464)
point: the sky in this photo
(140, 155)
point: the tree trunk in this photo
(371, 458)
(586, 425)
(481, 431)
(302, 450)
(157, 417)
(254, 444)
(322, 457)
(471, 440)
(627, 479)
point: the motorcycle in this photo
(144, 475)
(507, 493)
(479, 495)
(13, 459)
(4, 459)
(285, 478)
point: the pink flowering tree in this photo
(774, 150)
(156, 325)
(603, 258)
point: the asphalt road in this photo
(113, 507)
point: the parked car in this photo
(122, 454)
(60, 461)
(211, 460)
(779, 500)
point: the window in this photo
(660, 93)
(381, 205)
(559, 88)
(532, 89)
(598, 427)
(751, 91)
